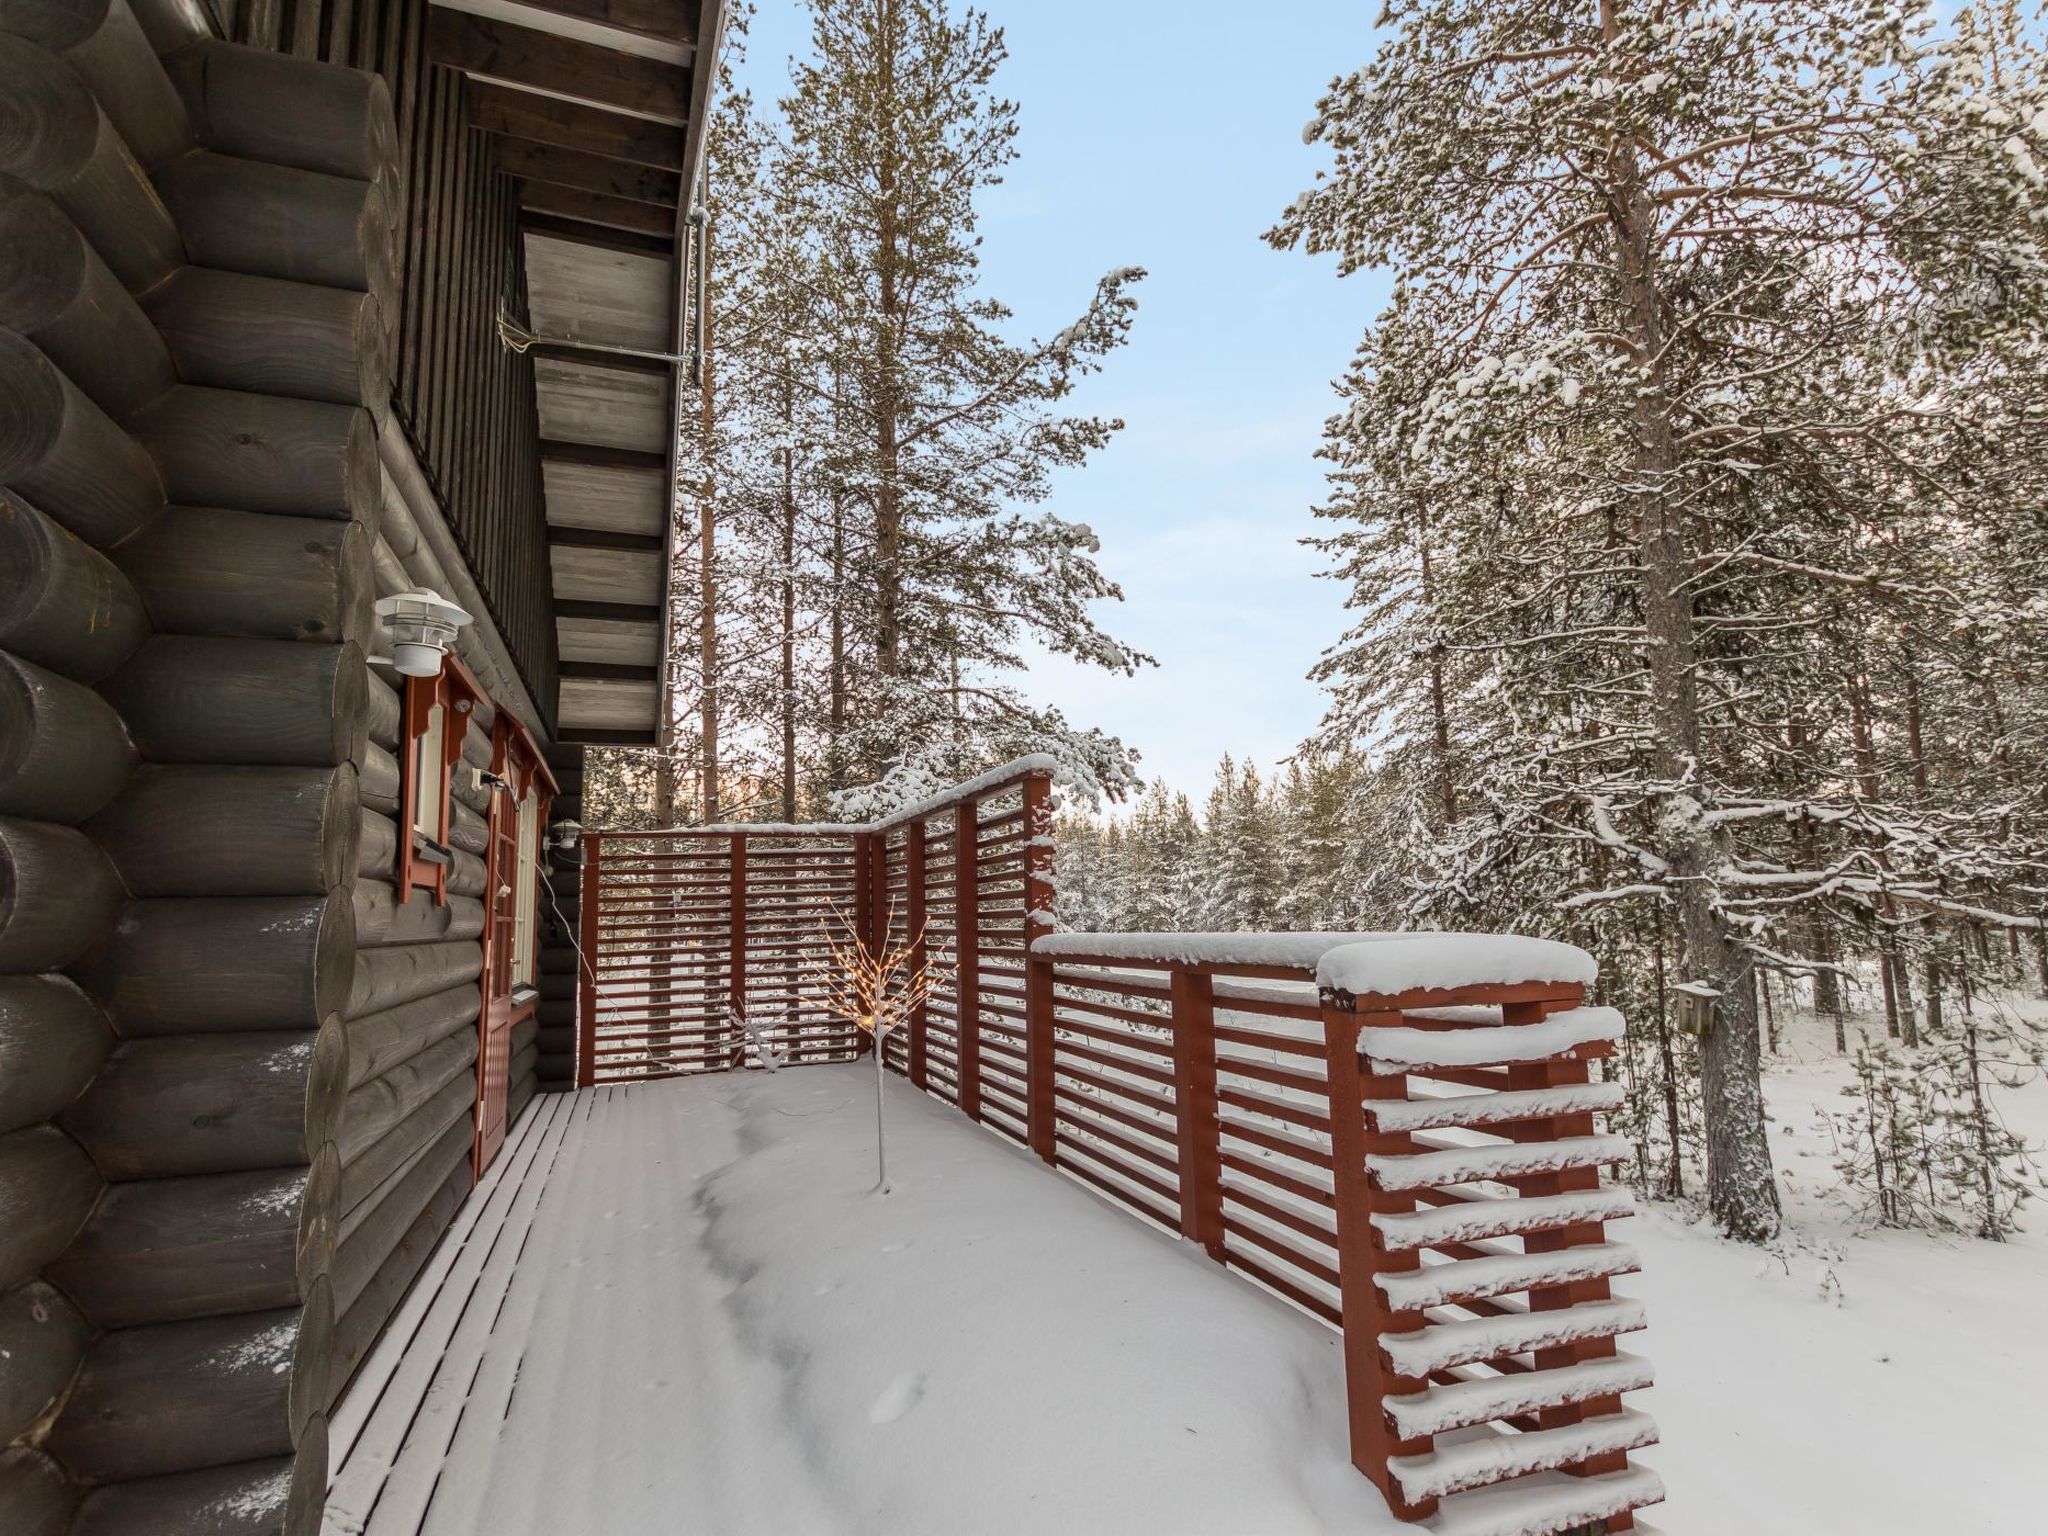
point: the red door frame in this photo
(518, 766)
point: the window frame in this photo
(516, 759)
(457, 695)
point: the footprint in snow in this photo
(897, 1399)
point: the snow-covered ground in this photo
(715, 1325)
(1862, 1381)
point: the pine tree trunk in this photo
(888, 393)
(1674, 1179)
(835, 764)
(1902, 970)
(1742, 1194)
(1440, 723)
(707, 581)
(788, 615)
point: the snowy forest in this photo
(1687, 497)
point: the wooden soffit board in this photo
(583, 402)
(605, 575)
(614, 642)
(606, 704)
(588, 293)
(618, 499)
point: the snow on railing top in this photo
(1301, 950)
(1500, 1045)
(1419, 962)
(995, 778)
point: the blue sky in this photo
(1169, 137)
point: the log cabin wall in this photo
(465, 403)
(236, 1074)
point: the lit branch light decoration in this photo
(876, 987)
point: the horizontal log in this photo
(466, 874)
(554, 1069)
(274, 221)
(218, 964)
(191, 831)
(64, 454)
(47, 1189)
(362, 1322)
(56, 291)
(193, 1104)
(63, 605)
(49, 122)
(262, 453)
(378, 1042)
(519, 1095)
(63, 750)
(53, 1038)
(165, 1250)
(174, 1397)
(396, 974)
(42, 1339)
(379, 1228)
(525, 1033)
(340, 120)
(259, 702)
(36, 1498)
(379, 786)
(261, 334)
(387, 711)
(381, 1041)
(117, 62)
(55, 138)
(393, 1154)
(255, 576)
(381, 918)
(464, 790)
(58, 895)
(467, 830)
(377, 854)
(374, 1110)
(279, 1496)
(116, 207)
(477, 750)
(522, 1064)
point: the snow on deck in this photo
(678, 1306)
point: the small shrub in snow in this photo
(876, 985)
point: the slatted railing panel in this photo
(800, 893)
(657, 946)
(942, 1031)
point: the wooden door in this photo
(499, 1013)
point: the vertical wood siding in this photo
(465, 401)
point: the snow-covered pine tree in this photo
(1694, 307)
(946, 431)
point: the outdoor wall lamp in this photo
(420, 627)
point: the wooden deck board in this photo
(372, 1435)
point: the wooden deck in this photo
(569, 1347)
(393, 1432)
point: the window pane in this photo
(431, 805)
(526, 890)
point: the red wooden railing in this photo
(1448, 1218)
